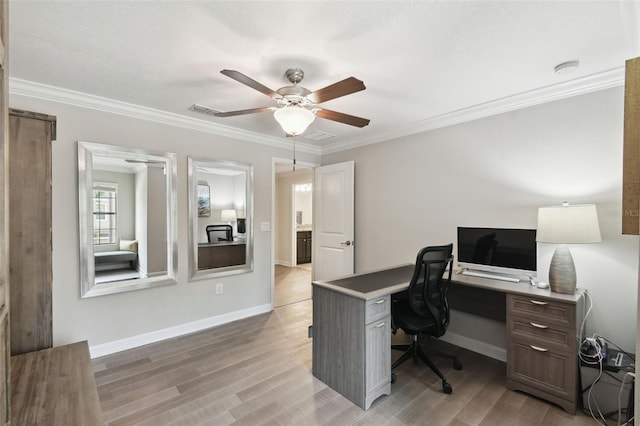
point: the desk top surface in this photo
(369, 285)
(373, 284)
(522, 288)
(55, 386)
(223, 243)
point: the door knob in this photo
(346, 243)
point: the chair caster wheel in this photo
(393, 378)
(446, 387)
(457, 365)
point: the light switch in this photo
(265, 226)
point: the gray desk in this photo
(352, 333)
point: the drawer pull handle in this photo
(377, 302)
(536, 325)
(539, 302)
(538, 348)
(380, 325)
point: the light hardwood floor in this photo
(258, 371)
(292, 284)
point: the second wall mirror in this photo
(220, 218)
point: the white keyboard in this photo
(490, 276)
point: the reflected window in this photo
(105, 201)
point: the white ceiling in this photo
(424, 63)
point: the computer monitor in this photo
(499, 250)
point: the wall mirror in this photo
(127, 217)
(220, 218)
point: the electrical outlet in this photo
(219, 288)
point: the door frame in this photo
(274, 161)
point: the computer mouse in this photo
(542, 284)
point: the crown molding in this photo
(579, 86)
(70, 97)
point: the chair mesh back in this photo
(428, 289)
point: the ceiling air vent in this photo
(317, 136)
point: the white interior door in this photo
(333, 223)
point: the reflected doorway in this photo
(293, 234)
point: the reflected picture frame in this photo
(204, 201)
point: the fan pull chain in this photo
(294, 153)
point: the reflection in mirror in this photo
(220, 218)
(127, 220)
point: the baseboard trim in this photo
(179, 330)
(477, 346)
(284, 263)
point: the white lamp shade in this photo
(568, 224)
(228, 215)
(294, 120)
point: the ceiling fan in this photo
(297, 106)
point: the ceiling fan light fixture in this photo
(294, 119)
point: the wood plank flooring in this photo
(258, 371)
(292, 284)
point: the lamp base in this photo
(562, 271)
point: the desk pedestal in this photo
(542, 353)
(352, 344)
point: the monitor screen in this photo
(497, 249)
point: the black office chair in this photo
(218, 233)
(423, 310)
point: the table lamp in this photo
(566, 224)
(228, 215)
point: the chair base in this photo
(415, 351)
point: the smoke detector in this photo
(566, 67)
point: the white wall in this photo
(496, 172)
(156, 206)
(142, 213)
(222, 191)
(111, 318)
(303, 204)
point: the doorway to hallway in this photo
(292, 234)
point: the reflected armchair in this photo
(219, 233)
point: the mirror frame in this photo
(247, 168)
(86, 153)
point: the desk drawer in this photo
(377, 308)
(543, 368)
(534, 330)
(548, 311)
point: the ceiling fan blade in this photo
(341, 88)
(351, 120)
(239, 77)
(243, 111)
